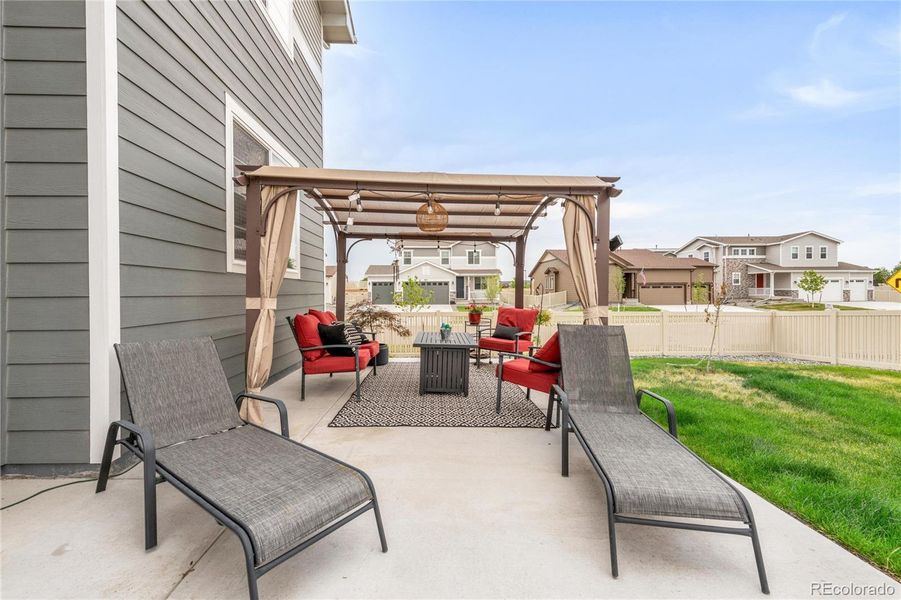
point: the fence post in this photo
(772, 318)
(833, 326)
(664, 321)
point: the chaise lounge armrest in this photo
(670, 409)
(282, 410)
(501, 355)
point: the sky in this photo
(721, 118)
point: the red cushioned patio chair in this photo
(521, 318)
(317, 361)
(327, 317)
(538, 371)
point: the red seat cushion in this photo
(522, 318)
(371, 347)
(501, 345)
(307, 328)
(325, 317)
(550, 352)
(335, 364)
(517, 371)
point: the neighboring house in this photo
(331, 272)
(121, 125)
(456, 272)
(770, 266)
(650, 276)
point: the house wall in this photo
(564, 281)
(809, 239)
(177, 61)
(45, 369)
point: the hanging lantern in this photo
(431, 217)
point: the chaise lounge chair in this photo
(276, 495)
(648, 475)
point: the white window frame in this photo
(795, 252)
(744, 251)
(808, 252)
(284, 31)
(550, 282)
(235, 112)
(824, 252)
(736, 277)
(405, 254)
(477, 254)
(444, 257)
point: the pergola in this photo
(370, 205)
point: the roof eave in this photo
(337, 22)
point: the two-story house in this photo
(770, 266)
(456, 272)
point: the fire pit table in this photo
(444, 364)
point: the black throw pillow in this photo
(334, 334)
(505, 332)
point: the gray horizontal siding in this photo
(45, 246)
(177, 60)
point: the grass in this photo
(624, 308)
(821, 442)
(804, 306)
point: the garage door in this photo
(440, 291)
(661, 294)
(858, 289)
(382, 292)
(833, 291)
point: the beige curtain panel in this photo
(275, 248)
(580, 249)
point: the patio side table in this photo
(443, 364)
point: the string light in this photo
(497, 209)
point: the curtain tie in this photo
(261, 303)
(594, 312)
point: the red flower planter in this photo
(475, 318)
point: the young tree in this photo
(619, 283)
(414, 297)
(375, 318)
(812, 283)
(712, 315)
(492, 288)
(699, 292)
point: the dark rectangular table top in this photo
(456, 339)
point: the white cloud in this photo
(826, 94)
(758, 112)
(830, 23)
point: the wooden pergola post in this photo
(340, 274)
(519, 268)
(252, 258)
(602, 249)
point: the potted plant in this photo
(475, 314)
(376, 318)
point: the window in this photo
(474, 257)
(445, 256)
(280, 14)
(550, 281)
(794, 253)
(479, 282)
(691, 255)
(744, 251)
(249, 143)
(707, 255)
(808, 252)
(736, 278)
(824, 253)
(407, 257)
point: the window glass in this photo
(445, 257)
(247, 151)
(823, 252)
(478, 282)
(795, 252)
(473, 257)
(408, 257)
(808, 252)
(736, 278)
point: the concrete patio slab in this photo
(468, 513)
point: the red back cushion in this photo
(523, 318)
(550, 352)
(332, 316)
(307, 328)
(324, 317)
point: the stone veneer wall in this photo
(731, 265)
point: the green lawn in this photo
(624, 308)
(821, 442)
(802, 306)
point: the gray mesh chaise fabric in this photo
(280, 491)
(177, 389)
(651, 472)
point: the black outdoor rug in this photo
(392, 399)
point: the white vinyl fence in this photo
(861, 338)
(547, 300)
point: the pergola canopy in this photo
(390, 199)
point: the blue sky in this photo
(722, 118)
